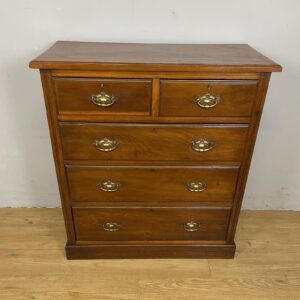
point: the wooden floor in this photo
(33, 265)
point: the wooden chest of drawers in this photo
(152, 144)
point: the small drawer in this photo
(153, 142)
(150, 223)
(160, 183)
(103, 96)
(215, 98)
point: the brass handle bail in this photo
(208, 100)
(191, 226)
(103, 99)
(199, 186)
(202, 145)
(105, 144)
(109, 186)
(111, 226)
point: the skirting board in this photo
(149, 251)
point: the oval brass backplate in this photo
(202, 145)
(103, 99)
(198, 186)
(109, 186)
(191, 226)
(105, 144)
(111, 226)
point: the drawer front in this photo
(152, 183)
(103, 96)
(219, 98)
(153, 142)
(151, 223)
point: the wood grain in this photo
(33, 264)
(133, 97)
(252, 134)
(154, 122)
(155, 97)
(154, 74)
(49, 99)
(153, 183)
(150, 223)
(152, 119)
(153, 142)
(236, 97)
(151, 57)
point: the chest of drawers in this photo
(152, 144)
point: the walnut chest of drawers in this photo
(152, 144)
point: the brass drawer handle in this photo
(103, 99)
(202, 145)
(111, 226)
(109, 186)
(105, 144)
(199, 186)
(191, 226)
(208, 100)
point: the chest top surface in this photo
(154, 57)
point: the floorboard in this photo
(33, 265)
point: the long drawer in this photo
(136, 183)
(153, 142)
(207, 98)
(151, 223)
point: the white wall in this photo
(27, 176)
